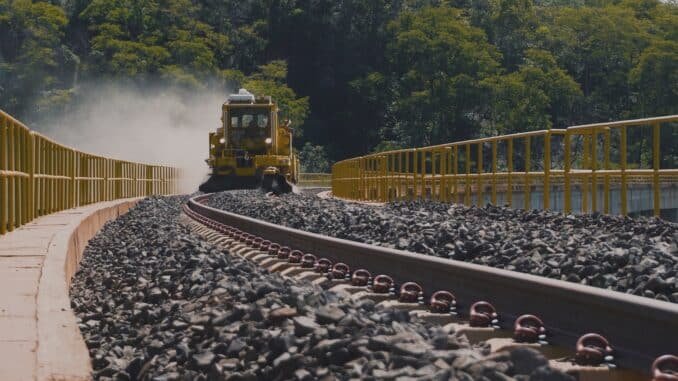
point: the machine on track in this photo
(252, 148)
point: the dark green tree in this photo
(513, 23)
(438, 63)
(36, 68)
(538, 96)
(147, 39)
(358, 76)
(598, 47)
(314, 159)
(270, 80)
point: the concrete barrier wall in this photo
(39, 335)
(57, 327)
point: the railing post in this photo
(528, 181)
(585, 180)
(399, 179)
(479, 164)
(389, 159)
(107, 172)
(594, 167)
(467, 190)
(11, 207)
(46, 190)
(415, 173)
(10, 180)
(58, 165)
(547, 170)
(509, 164)
(406, 174)
(101, 189)
(31, 175)
(369, 162)
(455, 172)
(622, 164)
(4, 149)
(37, 184)
(177, 175)
(656, 165)
(149, 180)
(52, 171)
(444, 171)
(567, 202)
(423, 174)
(362, 169)
(73, 182)
(606, 190)
(384, 178)
(494, 172)
(118, 180)
(85, 182)
(346, 185)
(138, 177)
(21, 181)
(66, 190)
(434, 168)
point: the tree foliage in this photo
(359, 76)
(147, 39)
(539, 95)
(314, 159)
(437, 62)
(270, 80)
(33, 61)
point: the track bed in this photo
(638, 256)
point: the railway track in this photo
(569, 323)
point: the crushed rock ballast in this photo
(156, 302)
(631, 255)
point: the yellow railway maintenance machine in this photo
(251, 148)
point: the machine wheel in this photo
(275, 183)
(229, 181)
(217, 183)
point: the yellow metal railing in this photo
(538, 169)
(323, 180)
(39, 176)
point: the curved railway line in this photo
(569, 323)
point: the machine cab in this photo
(249, 123)
(250, 147)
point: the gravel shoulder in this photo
(156, 302)
(638, 256)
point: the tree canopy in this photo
(358, 76)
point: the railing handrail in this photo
(39, 176)
(629, 122)
(621, 123)
(433, 170)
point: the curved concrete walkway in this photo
(39, 336)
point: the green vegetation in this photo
(358, 76)
(314, 159)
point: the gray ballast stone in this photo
(632, 255)
(170, 306)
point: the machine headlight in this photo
(222, 140)
(268, 140)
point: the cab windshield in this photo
(249, 127)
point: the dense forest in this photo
(355, 75)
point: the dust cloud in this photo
(163, 126)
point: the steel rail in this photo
(640, 329)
